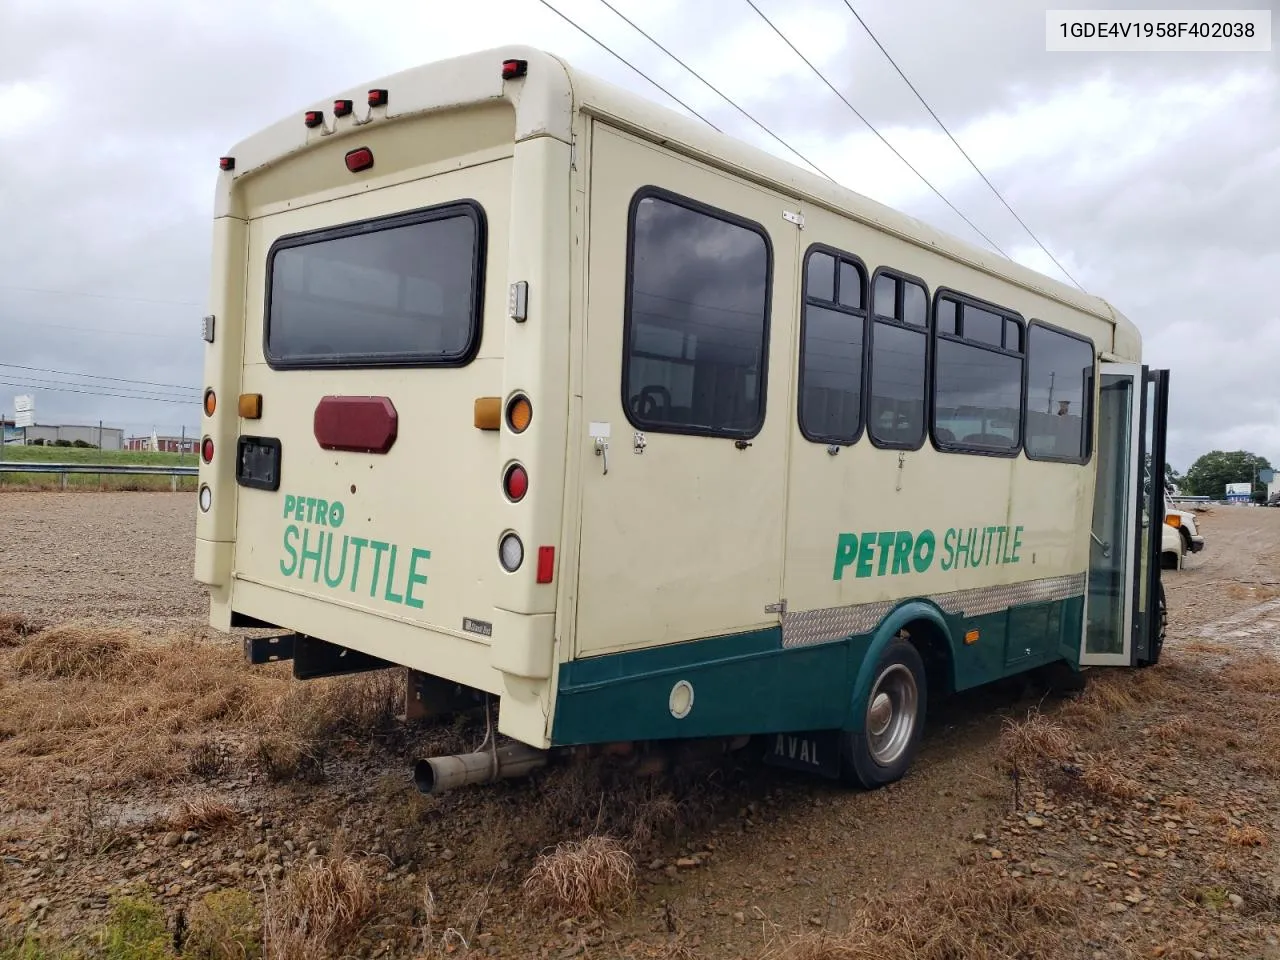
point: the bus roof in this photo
(545, 101)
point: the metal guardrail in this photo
(120, 469)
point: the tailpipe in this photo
(438, 774)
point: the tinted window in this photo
(697, 311)
(977, 379)
(915, 304)
(831, 355)
(886, 296)
(896, 414)
(946, 318)
(821, 277)
(1059, 372)
(406, 291)
(983, 326)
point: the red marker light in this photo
(546, 564)
(516, 483)
(377, 98)
(342, 107)
(514, 68)
(359, 159)
(226, 163)
(206, 450)
(313, 118)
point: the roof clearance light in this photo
(313, 118)
(514, 68)
(510, 552)
(206, 450)
(359, 159)
(342, 107)
(377, 98)
(519, 413)
(210, 402)
(516, 483)
(546, 564)
(226, 163)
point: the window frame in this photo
(1088, 399)
(864, 313)
(716, 213)
(446, 211)
(926, 331)
(960, 299)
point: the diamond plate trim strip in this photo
(805, 627)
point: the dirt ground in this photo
(1138, 819)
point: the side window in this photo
(697, 319)
(899, 340)
(833, 330)
(1059, 381)
(977, 376)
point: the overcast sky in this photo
(1154, 178)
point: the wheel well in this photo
(934, 647)
(1186, 537)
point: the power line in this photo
(97, 376)
(95, 393)
(925, 180)
(599, 43)
(113, 333)
(141, 394)
(716, 91)
(925, 103)
(98, 296)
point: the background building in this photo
(162, 444)
(105, 438)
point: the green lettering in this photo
(378, 548)
(886, 546)
(902, 552)
(322, 511)
(311, 509)
(866, 550)
(336, 514)
(1017, 542)
(964, 543)
(415, 577)
(317, 555)
(332, 581)
(300, 505)
(391, 575)
(949, 545)
(988, 540)
(289, 501)
(846, 548)
(1000, 533)
(289, 548)
(922, 555)
(359, 543)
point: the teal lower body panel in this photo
(750, 683)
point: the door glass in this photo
(1108, 547)
(1152, 503)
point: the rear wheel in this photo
(893, 715)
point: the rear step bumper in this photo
(311, 658)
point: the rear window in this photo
(402, 290)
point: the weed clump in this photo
(590, 877)
(224, 925)
(317, 910)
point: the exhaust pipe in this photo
(438, 774)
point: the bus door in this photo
(1123, 605)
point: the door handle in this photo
(602, 451)
(1106, 547)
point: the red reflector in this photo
(227, 163)
(377, 98)
(206, 449)
(546, 564)
(313, 118)
(514, 68)
(362, 424)
(359, 159)
(342, 107)
(516, 482)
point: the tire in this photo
(872, 759)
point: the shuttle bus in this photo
(557, 398)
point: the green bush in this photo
(224, 925)
(137, 931)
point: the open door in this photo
(1123, 614)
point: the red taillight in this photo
(359, 159)
(377, 98)
(342, 107)
(206, 450)
(514, 68)
(364, 424)
(226, 163)
(546, 564)
(516, 483)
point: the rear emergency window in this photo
(400, 290)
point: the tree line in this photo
(1210, 474)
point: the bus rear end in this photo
(386, 375)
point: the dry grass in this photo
(224, 925)
(73, 652)
(1247, 836)
(318, 909)
(1174, 729)
(1024, 743)
(1103, 779)
(1257, 674)
(980, 914)
(15, 629)
(202, 813)
(591, 877)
